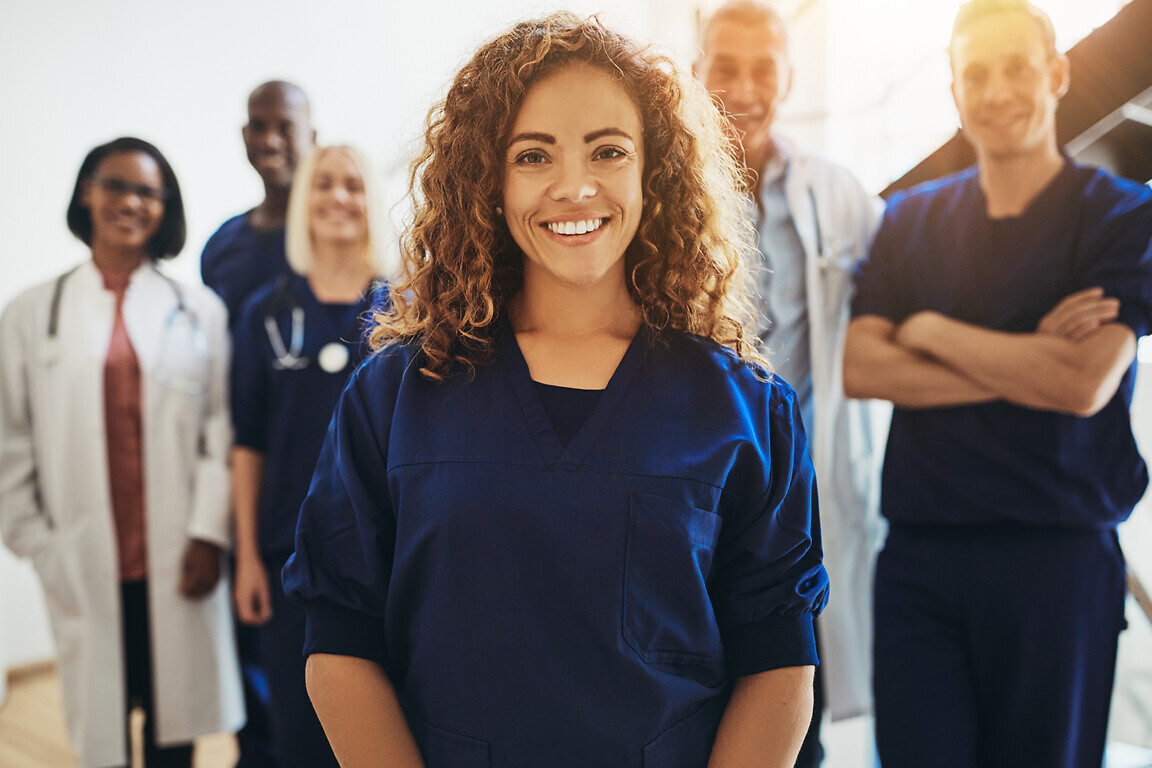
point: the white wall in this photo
(80, 72)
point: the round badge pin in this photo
(333, 357)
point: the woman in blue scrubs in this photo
(298, 340)
(564, 516)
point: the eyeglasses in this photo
(121, 188)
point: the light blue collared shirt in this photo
(782, 318)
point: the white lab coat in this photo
(835, 220)
(55, 504)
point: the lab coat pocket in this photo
(668, 617)
(445, 749)
(58, 568)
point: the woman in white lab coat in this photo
(114, 433)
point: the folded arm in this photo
(1038, 370)
(1072, 363)
(877, 366)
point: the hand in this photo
(199, 569)
(251, 592)
(1079, 314)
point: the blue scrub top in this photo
(937, 249)
(238, 259)
(284, 414)
(536, 603)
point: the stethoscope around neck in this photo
(162, 372)
(333, 356)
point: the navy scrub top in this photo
(995, 463)
(284, 413)
(238, 259)
(585, 604)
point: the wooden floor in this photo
(33, 735)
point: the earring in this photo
(499, 211)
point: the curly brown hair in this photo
(460, 264)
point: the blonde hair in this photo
(298, 229)
(460, 264)
(976, 10)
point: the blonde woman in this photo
(298, 340)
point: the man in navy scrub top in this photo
(999, 310)
(248, 250)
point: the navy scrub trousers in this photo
(995, 645)
(298, 737)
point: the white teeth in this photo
(575, 227)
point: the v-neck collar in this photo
(344, 323)
(554, 454)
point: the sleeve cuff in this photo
(332, 628)
(771, 643)
(1133, 315)
(250, 439)
(210, 519)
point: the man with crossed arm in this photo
(999, 310)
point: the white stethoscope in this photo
(333, 356)
(164, 370)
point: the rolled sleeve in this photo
(1121, 259)
(771, 643)
(770, 582)
(332, 628)
(345, 537)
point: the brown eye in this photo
(610, 153)
(531, 157)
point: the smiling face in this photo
(746, 67)
(125, 200)
(337, 202)
(278, 132)
(1006, 84)
(573, 177)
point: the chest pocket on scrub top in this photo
(668, 617)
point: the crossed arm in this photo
(1072, 363)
